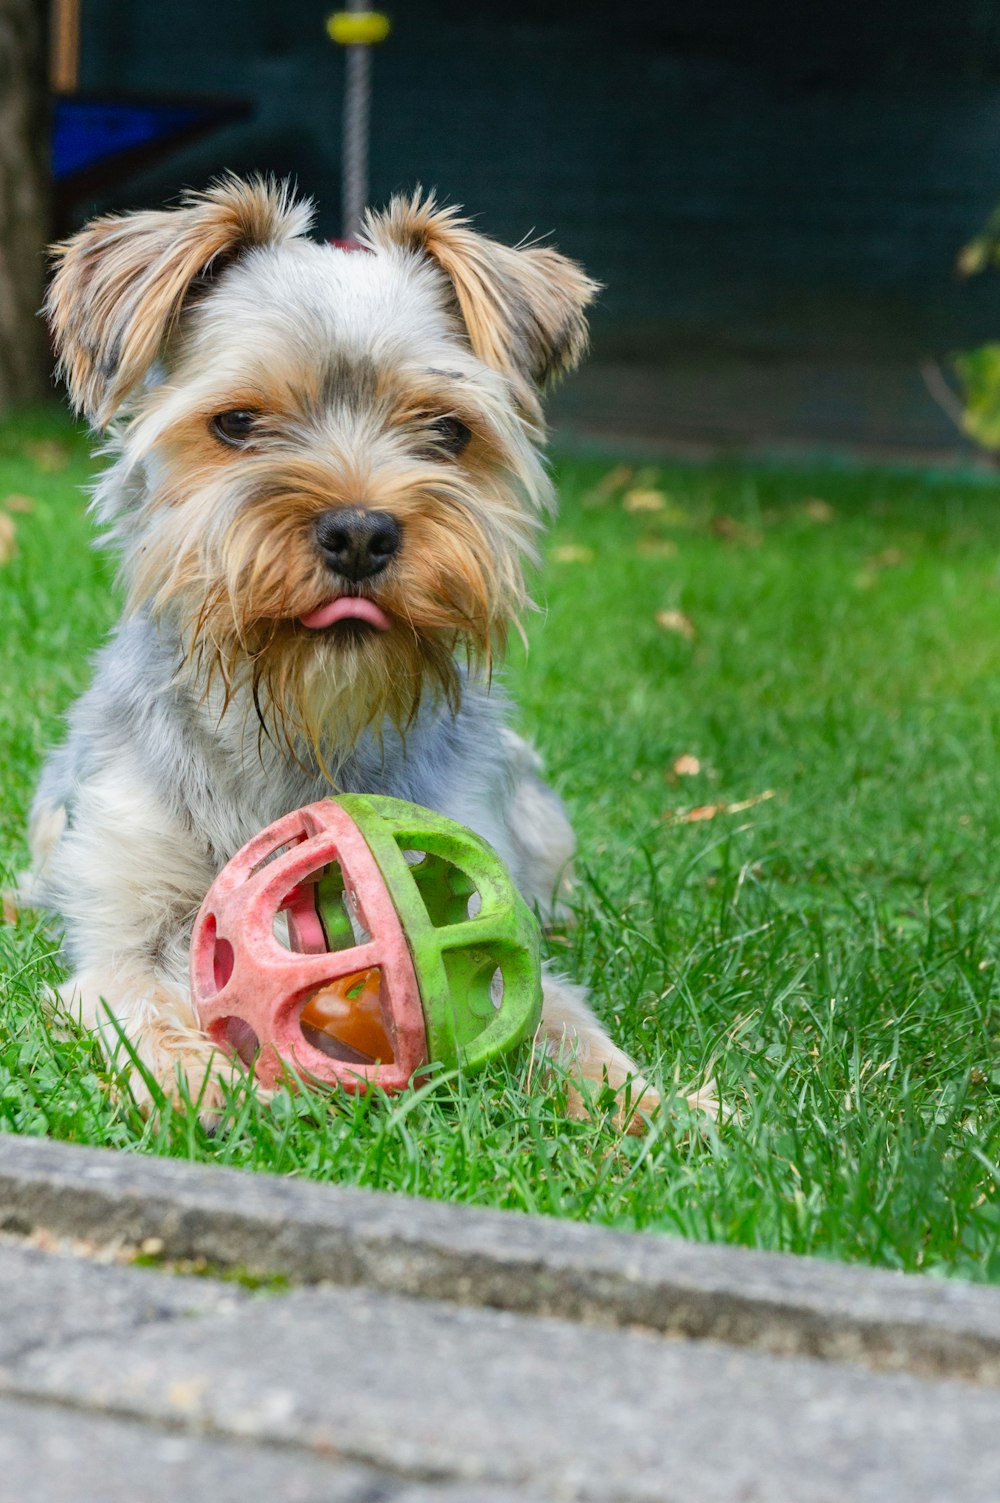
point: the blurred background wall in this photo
(774, 193)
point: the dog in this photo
(325, 478)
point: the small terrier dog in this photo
(324, 481)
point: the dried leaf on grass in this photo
(693, 816)
(817, 510)
(8, 538)
(709, 811)
(889, 558)
(572, 553)
(16, 502)
(656, 547)
(687, 766)
(48, 454)
(615, 479)
(676, 621)
(644, 499)
(735, 532)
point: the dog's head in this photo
(328, 474)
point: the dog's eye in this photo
(450, 434)
(235, 428)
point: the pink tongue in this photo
(347, 608)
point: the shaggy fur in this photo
(404, 381)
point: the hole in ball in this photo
(279, 850)
(235, 1034)
(223, 961)
(345, 1020)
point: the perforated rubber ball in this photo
(361, 939)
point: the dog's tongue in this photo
(347, 608)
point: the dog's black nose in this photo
(356, 542)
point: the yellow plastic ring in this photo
(357, 28)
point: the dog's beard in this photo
(316, 693)
(237, 595)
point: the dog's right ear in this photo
(120, 284)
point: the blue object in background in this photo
(89, 133)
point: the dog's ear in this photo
(523, 308)
(120, 283)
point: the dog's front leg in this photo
(126, 877)
(571, 1035)
(147, 1028)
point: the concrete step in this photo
(313, 1233)
(457, 1399)
(420, 1351)
(54, 1455)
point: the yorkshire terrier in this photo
(324, 481)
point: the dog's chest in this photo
(231, 793)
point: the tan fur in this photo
(243, 587)
(155, 1020)
(120, 283)
(523, 308)
(164, 321)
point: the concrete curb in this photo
(387, 1392)
(314, 1233)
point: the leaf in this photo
(615, 480)
(818, 511)
(709, 811)
(693, 816)
(687, 766)
(974, 257)
(889, 558)
(48, 454)
(15, 502)
(979, 372)
(656, 547)
(676, 621)
(982, 251)
(735, 532)
(8, 536)
(572, 553)
(644, 499)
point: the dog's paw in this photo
(632, 1105)
(706, 1100)
(629, 1105)
(204, 1086)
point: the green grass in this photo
(829, 953)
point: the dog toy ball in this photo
(360, 939)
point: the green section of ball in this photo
(479, 972)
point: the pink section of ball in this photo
(246, 983)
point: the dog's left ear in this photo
(120, 284)
(523, 309)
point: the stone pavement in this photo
(430, 1352)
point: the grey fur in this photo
(161, 780)
(223, 782)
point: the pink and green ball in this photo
(363, 927)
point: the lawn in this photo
(771, 699)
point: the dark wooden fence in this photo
(773, 191)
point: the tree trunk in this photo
(24, 198)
